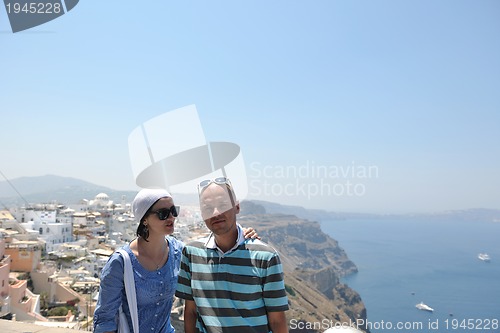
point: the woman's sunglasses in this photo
(164, 213)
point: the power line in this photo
(15, 189)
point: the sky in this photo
(357, 106)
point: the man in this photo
(230, 284)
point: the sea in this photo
(406, 261)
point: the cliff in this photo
(313, 263)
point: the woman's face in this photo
(157, 226)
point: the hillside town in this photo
(51, 256)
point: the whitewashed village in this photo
(51, 256)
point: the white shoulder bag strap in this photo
(128, 279)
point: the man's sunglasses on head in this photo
(219, 181)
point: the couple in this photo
(229, 281)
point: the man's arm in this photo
(189, 316)
(277, 322)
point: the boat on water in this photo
(424, 307)
(484, 257)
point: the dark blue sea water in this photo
(403, 262)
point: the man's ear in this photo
(237, 207)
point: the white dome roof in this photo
(102, 196)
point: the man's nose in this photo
(216, 211)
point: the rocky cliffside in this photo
(313, 264)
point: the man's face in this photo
(217, 209)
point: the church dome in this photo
(102, 197)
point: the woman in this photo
(155, 258)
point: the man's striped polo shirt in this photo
(233, 291)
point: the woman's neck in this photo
(152, 254)
(153, 245)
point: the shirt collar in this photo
(210, 243)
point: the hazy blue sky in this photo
(408, 88)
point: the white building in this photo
(54, 229)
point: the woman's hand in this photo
(250, 233)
